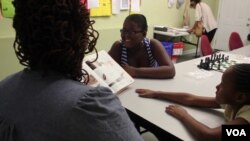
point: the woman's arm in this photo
(194, 26)
(163, 59)
(198, 17)
(115, 52)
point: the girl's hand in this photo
(176, 111)
(145, 93)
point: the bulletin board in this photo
(112, 7)
(104, 9)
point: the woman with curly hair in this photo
(49, 100)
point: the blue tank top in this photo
(146, 41)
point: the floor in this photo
(149, 136)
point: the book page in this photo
(94, 79)
(108, 71)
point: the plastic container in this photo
(178, 48)
(168, 47)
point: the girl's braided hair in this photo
(242, 77)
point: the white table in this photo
(243, 51)
(172, 34)
(153, 110)
(176, 33)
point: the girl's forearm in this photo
(188, 99)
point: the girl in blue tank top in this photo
(141, 57)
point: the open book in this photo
(106, 72)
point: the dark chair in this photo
(235, 41)
(206, 48)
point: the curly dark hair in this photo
(54, 35)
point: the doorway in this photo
(233, 17)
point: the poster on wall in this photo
(125, 4)
(135, 6)
(92, 4)
(116, 6)
(104, 9)
(171, 3)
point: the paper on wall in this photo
(124, 5)
(135, 5)
(93, 4)
(171, 3)
(116, 6)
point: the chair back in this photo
(235, 41)
(206, 48)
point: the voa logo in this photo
(236, 132)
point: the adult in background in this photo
(204, 14)
(141, 57)
(49, 100)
